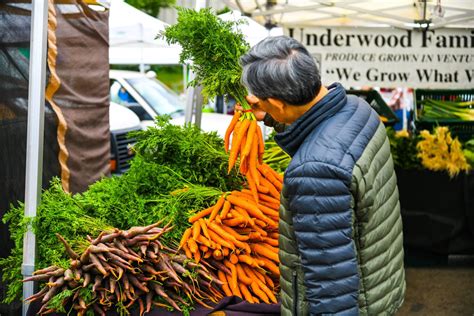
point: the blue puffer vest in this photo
(341, 244)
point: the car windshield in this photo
(159, 97)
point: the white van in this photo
(147, 98)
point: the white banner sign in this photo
(438, 59)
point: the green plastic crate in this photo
(464, 130)
(376, 101)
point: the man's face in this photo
(269, 107)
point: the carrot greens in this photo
(214, 48)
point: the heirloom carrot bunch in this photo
(238, 236)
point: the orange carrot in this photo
(246, 294)
(248, 260)
(225, 251)
(259, 276)
(267, 172)
(219, 240)
(243, 160)
(200, 214)
(217, 207)
(233, 274)
(230, 129)
(272, 190)
(234, 151)
(218, 229)
(271, 241)
(255, 236)
(264, 251)
(259, 230)
(242, 275)
(225, 209)
(207, 254)
(251, 208)
(267, 291)
(250, 139)
(252, 184)
(253, 159)
(270, 266)
(217, 254)
(234, 233)
(260, 223)
(278, 176)
(203, 240)
(269, 199)
(261, 294)
(196, 230)
(202, 222)
(269, 247)
(261, 188)
(203, 248)
(186, 235)
(272, 206)
(233, 259)
(261, 145)
(243, 231)
(235, 290)
(197, 256)
(192, 245)
(274, 235)
(267, 210)
(240, 212)
(188, 252)
(235, 222)
(223, 279)
(269, 281)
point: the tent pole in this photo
(35, 135)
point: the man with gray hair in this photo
(341, 245)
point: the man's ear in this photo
(251, 99)
(278, 104)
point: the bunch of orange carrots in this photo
(239, 234)
(247, 143)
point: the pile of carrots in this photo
(131, 268)
(239, 234)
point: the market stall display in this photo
(161, 184)
(451, 108)
(372, 97)
(119, 268)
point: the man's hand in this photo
(253, 101)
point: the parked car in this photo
(147, 97)
(122, 121)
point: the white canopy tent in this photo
(406, 14)
(132, 36)
(253, 31)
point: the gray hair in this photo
(281, 67)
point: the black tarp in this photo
(78, 57)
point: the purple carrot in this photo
(38, 295)
(46, 270)
(137, 284)
(52, 291)
(39, 277)
(139, 230)
(98, 309)
(87, 279)
(68, 275)
(98, 265)
(72, 254)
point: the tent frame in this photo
(383, 17)
(35, 137)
